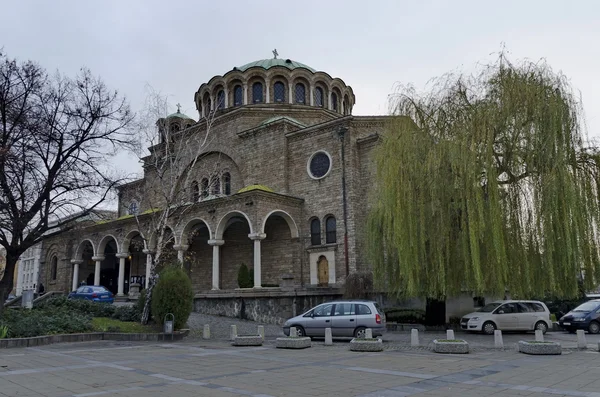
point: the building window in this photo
(221, 100)
(257, 92)
(334, 102)
(216, 186)
(204, 186)
(319, 97)
(238, 95)
(174, 128)
(226, 183)
(195, 192)
(133, 208)
(207, 107)
(319, 165)
(300, 93)
(279, 92)
(53, 268)
(330, 230)
(315, 232)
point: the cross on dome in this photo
(275, 53)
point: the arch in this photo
(204, 188)
(81, 248)
(238, 95)
(334, 101)
(226, 183)
(127, 241)
(300, 93)
(315, 231)
(330, 230)
(53, 267)
(222, 225)
(257, 92)
(195, 192)
(287, 217)
(105, 240)
(319, 96)
(220, 105)
(191, 225)
(279, 92)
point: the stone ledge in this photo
(266, 292)
(366, 345)
(293, 343)
(540, 348)
(89, 337)
(455, 347)
(253, 340)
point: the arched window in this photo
(315, 232)
(195, 192)
(300, 93)
(221, 100)
(133, 208)
(216, 186)
(227, 183)
(53, 268)
(174, 127)
(279, 92)
(238, 96)
(319, 97)
(207, 107)
(334, 102)
(257, 92)
(204, 187)
(330, 230)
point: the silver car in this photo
(508, 315)
(345, 318)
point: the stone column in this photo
(181, 251)
(257, 237)
(215, 265)
(98, 260)
(121, 287)
(76, 263)
(226, 104)
(267, 85)
(312, 96)
(245, 99)
(291, 90)
(149, 254)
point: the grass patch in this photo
(535, 342)
(451, 340)
(105, 324)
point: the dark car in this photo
(96, 293)
(585, 316)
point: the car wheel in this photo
(594, 327)
(488, 328)
(360, 332)
(299, 331)
(542, 326)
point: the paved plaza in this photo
(197, 367)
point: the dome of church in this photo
(180, 115)
(269, 63)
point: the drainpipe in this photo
(342, 135)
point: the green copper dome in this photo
(179, 115)
(269, 63)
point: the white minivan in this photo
(508, 315)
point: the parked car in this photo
(96, 293)
(585, 316)
(508, 315)
(345, 318)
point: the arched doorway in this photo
(238, 249)
(136, 263)
(109, 268)
(323, 271)
(198, 257)
(280, 250)
(87, 266)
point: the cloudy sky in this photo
(177, 45)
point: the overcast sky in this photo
(177, 45)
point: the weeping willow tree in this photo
(486, 184)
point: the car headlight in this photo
(474, 319)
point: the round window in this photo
(319, 165)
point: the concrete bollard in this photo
(328, 337)
(581, 342)
(293, 332)
(414, 337)
(368, 333)
(233, 332)
(261, 331)
(498, 342)
(206, 332)
(450, 334)
(539, 335)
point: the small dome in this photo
(180, 115)
(269, 63)
(256, 187)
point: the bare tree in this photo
(166, 191)
(56, 134)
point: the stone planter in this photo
(366, 345)
(540, 348)
(457, 346)
(253, 340)
(293, 343)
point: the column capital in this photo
(181, 247)
(121, 255)
(76, 261)
(98, 258)
(257, 236)
(148, 252)
(216, 242)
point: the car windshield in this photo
(586, 307)
(99, 289)
(489, 307)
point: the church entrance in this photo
(323, 270)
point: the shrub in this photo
(245, 278)
(139, 304)
(358, 285)
(173, 294)
(36, 322)
(81, 306)
(405, 316)
(126, 313)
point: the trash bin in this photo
(27, 299)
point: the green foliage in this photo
(23, 323)
(82, 306)
(245, 277)
(139, 304)
(126, 313)
(405, 316)
(3, 331)
(173, 294)
(486, 184)
(103, 324)
(358, 285)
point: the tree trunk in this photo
(435, 312)
(6, 284)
